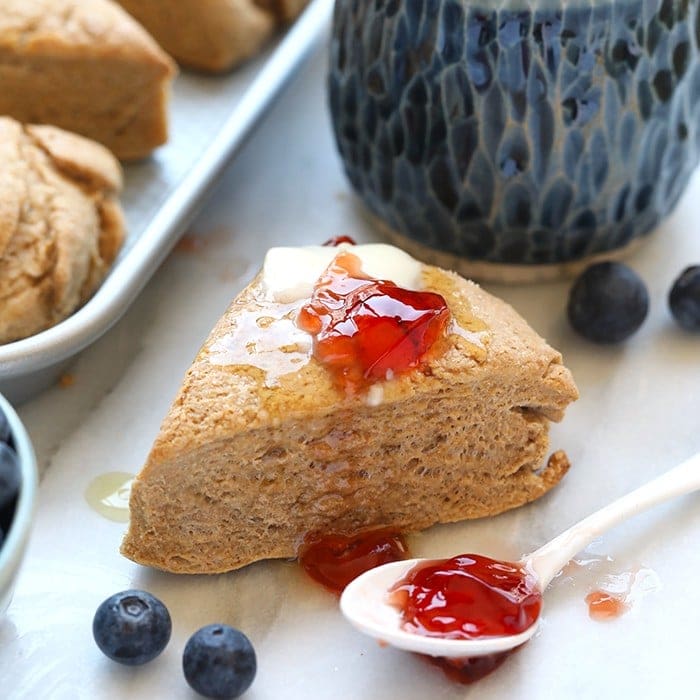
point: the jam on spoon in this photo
(485, 591)
(367, 330)
(366, 601)
(467, 597)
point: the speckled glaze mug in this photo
(516, 136)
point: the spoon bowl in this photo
(365, 601)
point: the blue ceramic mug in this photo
(527, 132)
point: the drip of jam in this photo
(337, 240)
(467, 597)
(469, 670)
(605, 606)
(367, 330)
(335, 560)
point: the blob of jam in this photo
(337, 240)
(335, 560)
(367, 330)
(605, 606)
(467, 597)
(469, 670)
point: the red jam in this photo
(605, 606)
(469, 587)
(467, 671)
(337, 240)
(367, 330)
(467, 597)
(335, 560)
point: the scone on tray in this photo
(213, 35)
(85, 66)
(285, 10)
(61, 225)
(210, 35)
(262, 448)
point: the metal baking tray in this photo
(210, 119)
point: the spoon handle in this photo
(551, 558)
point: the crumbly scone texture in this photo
(213, 35)
(85, 66)
(61, 225)
(242, 471)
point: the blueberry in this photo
(4, 428)
(132, 627)
(7, 515)
(684, 299)
(219, 662)
(9, 476)
(608, 303)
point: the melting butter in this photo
(289, 274)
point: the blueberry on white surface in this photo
(684, 299)
(219, 662)
(132, 627)
(608, 302)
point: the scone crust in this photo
(61, 225)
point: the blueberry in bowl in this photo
(18, 487)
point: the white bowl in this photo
(12, 549)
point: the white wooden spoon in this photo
(365, 604)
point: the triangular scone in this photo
(211, 35)
(86, 66)
(61, 225)
(252, 458)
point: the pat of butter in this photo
(289, 274)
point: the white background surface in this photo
(639, 414)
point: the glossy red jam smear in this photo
(337, 240)
(335, 560)
(467, 597)
(367, 330)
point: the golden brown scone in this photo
(284, 10)
(247, 464)
(211, 35)
(86, 66)
(61, 225)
